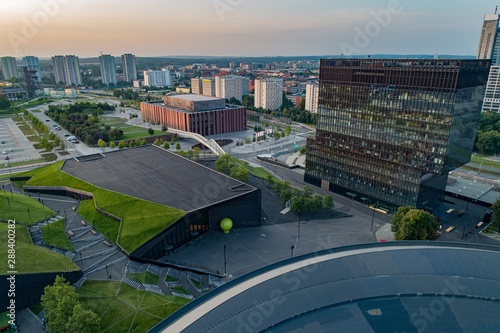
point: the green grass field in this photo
(16, 207)
(105, 225)
(129, 132)
(478, 159)
(144, 277)
(54, 235)
(256, 171)
(141, 219)
(125, 309)
(31, 258)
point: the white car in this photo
(11, 149)
(4, 151)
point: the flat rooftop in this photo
(472, 189)
(194, 97)
(154, 174)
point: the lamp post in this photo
(292, 248)
(107, 273)
(225, 261)
(29, 214)
(373, 217)
(299, 224)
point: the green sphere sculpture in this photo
(226, 224)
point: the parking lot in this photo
(15, 144)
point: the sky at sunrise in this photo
(240, 27)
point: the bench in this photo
(450, 228)
(107, 243)
(93, 231)
(83, 222)
(70, 233)
(450, 210)
(480, 224)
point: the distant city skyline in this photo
(240, 28)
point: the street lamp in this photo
(292, 248)
(107, 273)
(299, 224)
(225, 261)
(29, 214)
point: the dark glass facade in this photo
(389, 131)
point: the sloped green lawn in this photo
(125, 309)
(31, 258)
(15, 207)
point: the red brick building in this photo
(196, 113)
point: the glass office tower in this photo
(389, 131)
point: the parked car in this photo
(7, 157)
(4, 151)
(71, 138)
(487, 216)
(11, 149)
(47, 120)
(66, 134)
(55, 125)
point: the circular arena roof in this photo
(385, 287)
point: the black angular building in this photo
(389, 131)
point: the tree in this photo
(239, 172)
(59, 301)
(121, 145)
(288, 130)
(196, 153)
(156, 142)
(224, 163)
(64, 313)
(164, 128)
(496, 214)
(144, 142)
(302, 104)
(151, 131)
(131, 144)
(101, 143)
(234, 101)
(112, 145)
(270, 180)
(328, 202)
(488, 142)
(178, 146)
(410, 223)
(166, 145)
(317, 201)
(83, 321)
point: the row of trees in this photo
(37, 124)
(77, 120)
(288, 109)
(229, 165)
(301, 201)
